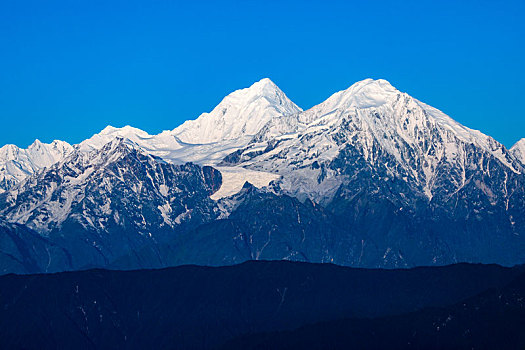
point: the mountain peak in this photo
(9, 152)
(108, 130)
(378, 84)
(264, 82)
(518, 150)
(17, 163)
(240, 114)
(107, 134)
(36, 144)
(520, 143)
(363, 94)
(263, 87)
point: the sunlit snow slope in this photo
(17, 163)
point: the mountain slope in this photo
(382, 127)
(255, 224)
(191, 307)
(493, 319)
(106, 203)
(242, 113)
(205, 141)
(518, 150)
(407, 182)
(212, 136)
(23, 250)
(17, 163)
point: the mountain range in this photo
(371, 177)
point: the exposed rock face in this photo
(109, 202)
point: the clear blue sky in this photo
(69, 68)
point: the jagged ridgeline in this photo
(371, 177)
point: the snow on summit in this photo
(363, 94)
(17, 163)
(109, 133)
(518, 150)
(242, 113)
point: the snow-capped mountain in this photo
(44, 200)
(518, 150)
(407, 184)
(111, 201)
(240, 114)
(384, 128)
(205, 141)
(212, 136)
(17, 163)
(231, 124)
(135, 135)
(370, 177)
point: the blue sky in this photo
(69, 68)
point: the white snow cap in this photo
(242, 113)
(109, 133)
(155, 144)
(363, 94)
(518, 150)
(17, 163)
